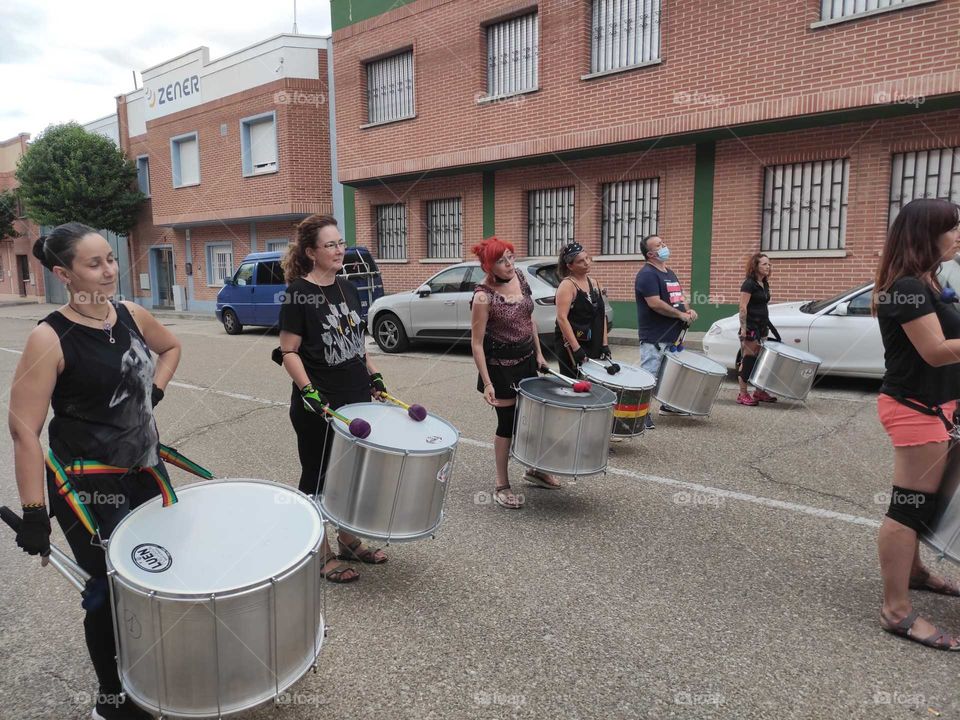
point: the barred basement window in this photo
(549, 220)
(624, 33)
(512, 56)
(924, 174)
(392, 232)
(630, 211)
(836, 9)
(390, 88)
(444, 229)
(805, 206)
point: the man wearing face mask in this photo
(661, 312)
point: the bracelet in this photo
(486, 385)
(33, 506)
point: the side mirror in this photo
(842, 309)
(423, 291)
(229, 281)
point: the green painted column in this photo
(489, 203)
(349, 215)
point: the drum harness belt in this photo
(953, 430)
(82, 467)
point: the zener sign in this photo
(177, 95)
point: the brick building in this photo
(726, 128)
(21, 275)
(232, 153)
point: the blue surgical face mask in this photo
(663, 253)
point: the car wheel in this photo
(389, 333)
(231, 323)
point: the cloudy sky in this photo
(64, 60)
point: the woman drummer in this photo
(754, 325)
(581, 330)
(323, 350)
(506, 349)
(921, 340)
(91, 360)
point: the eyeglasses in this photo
(505, 259)
(332, 245)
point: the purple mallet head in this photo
(359, 428)
(417, 412)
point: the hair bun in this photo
(40, 250)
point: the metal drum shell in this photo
(384, 493)
(639, 393)
(560, 440)
(943, 534)
(784, 371)
(207, 655)
(689, 382)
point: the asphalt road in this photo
(723, 567)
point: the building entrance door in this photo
(163, 258)
(23, 274)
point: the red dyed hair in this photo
(489, 250)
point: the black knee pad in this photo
(913, 508)
(746, 366)
(505, 421)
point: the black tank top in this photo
(587, 316)
(101, 403)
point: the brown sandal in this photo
(336, 574)
(939, 640)
(923, 583)
(368, 556)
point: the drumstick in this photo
(579, 386)
(612, 368)
(358, 427)
(417, 412)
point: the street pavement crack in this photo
(204, 429)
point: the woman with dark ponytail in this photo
(754, 325)
(91, 360)
(581, 330)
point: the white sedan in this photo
(840, 331)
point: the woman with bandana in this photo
(581, 330)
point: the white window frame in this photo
(145, 161)
(616, 51)
(246, 150)
(621, 228)
(383, 78)
(210, 249)
(791, 193)
(507, 72)
(175, 145)
(438, 237)
(284, 243)
(551, 217)
(907, 167)
(393, 215)
(833, 12)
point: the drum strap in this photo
(933, 410)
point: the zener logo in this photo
(152, 558)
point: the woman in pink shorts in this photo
(921, 340)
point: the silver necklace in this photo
(107, 327)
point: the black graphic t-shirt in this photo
(101, 402)
(328, 321)
(758, 314)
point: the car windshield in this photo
(815, 306)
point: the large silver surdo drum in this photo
(390, 485)
(217, 599)
(689, 382)
(561, 431)
(784, 370)
(943, 535)
(633, 386)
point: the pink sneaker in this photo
(763, 396)
(746, 399)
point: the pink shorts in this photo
(906, 426)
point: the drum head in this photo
(220, 536)
(392, 429)
(554, 391)
(630, 377)
(697, 362)
(791, 352)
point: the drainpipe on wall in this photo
(188, 253)
(335, 187)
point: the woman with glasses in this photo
(506, 349)
(581, 330)
(323, 350)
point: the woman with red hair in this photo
(507, 350)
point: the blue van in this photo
(252, 296)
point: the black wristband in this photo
(156, 395)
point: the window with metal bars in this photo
(220, 263)
(512, 56)
(630, 211)
(624, 33)
(390, 88)
(444, 229)
(549, 221)
(924, 174)
(805, 206)
(837, 9)
(392, 232)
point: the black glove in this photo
(34, 533)
(313, 401)
(605, 353)
(579, 356)
(156, 395)
(545, 369)
(376, 382)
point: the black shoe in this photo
(667, 410)
(648, 423)
(118, 707)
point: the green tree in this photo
(8, 213)
(70, 174)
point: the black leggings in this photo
(125, 493)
